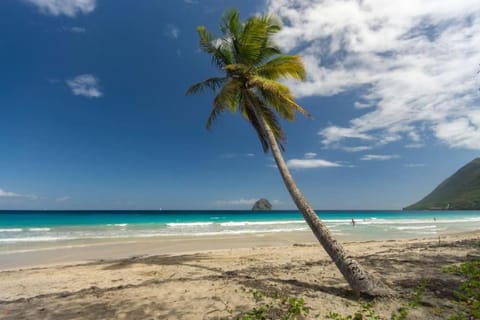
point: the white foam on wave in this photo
(259, 223)
(415, 221)
(188, 224)
(336, 220)
(34, 239)
(422, 232)
(245, 231)
(38, 229)
(416, 227)
(11, 230)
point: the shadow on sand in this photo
(406, 269)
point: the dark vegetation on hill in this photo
(461, 191)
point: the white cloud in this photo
(69, 8)
(78, 30)
(356, 149)
(9, 194)
(172, 31)
(237, 155)
(461, 132)
(415, 62)
(333, 134)
(414, 145)
(242, 202)
(414, 165)
(413, 136)
(85, 85)
(63, 199)
(310, 163)
(379, 157)
(361, 105)
(6, 194)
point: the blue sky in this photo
(93, 113)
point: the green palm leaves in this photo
(252, 64)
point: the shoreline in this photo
(73, 252)
(65, 253)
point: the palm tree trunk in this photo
(360, 281)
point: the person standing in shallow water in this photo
(353, 222)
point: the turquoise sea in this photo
(53, 226)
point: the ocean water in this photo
(34, 227)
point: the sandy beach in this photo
(216, 278)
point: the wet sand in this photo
(74, 252)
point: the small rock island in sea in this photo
(262, 205)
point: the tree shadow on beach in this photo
(92, 307)
(122, 302)
(405, 268)
(191, 260)
(408, 268)
(294, 287)
(253, 277)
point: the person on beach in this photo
(353, 222)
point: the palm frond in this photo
(270, 51)
(230, 23)
(274, 124)
(278, 96)
(254, 121)
(269, 47)
(213, 83)
(283, 66)
(215, 47)
(237, 70)
(206, 40)
(255, 108)
(227, 98)
(226, 52)
(252, 41)
(212, 117)
(285, 105)
(273, 24)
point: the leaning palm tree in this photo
(251, 65)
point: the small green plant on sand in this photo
(258, 313)
(417, 294)
(295, 308)
(367, 313)
(400, 314)
(468, 294)
(271, 305)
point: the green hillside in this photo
(461, 191)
